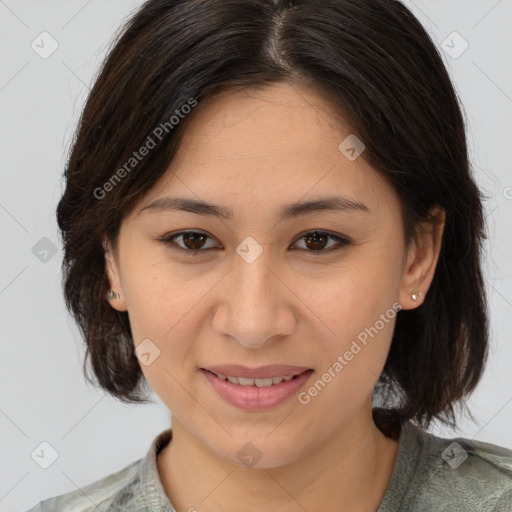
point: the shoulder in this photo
(461, 474)
(101, 495)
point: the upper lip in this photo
(262, 372)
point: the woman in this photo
(276, 202)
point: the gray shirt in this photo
(431, 474)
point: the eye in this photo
(194, 242)
(317, 241)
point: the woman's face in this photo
(258, 288)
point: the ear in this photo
(113, 273)
(422, 258)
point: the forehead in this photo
(265, 122)
(273, 142)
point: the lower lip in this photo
(253, 398)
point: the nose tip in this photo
(254, 329)
(252, 340)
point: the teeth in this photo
(260, 383)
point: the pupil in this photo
(312, 237)
(190, 237)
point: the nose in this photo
(256, 305)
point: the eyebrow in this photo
(287, 211)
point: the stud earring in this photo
(112, 294)
(415, 296)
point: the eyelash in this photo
(168, 240)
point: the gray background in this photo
(43, 395)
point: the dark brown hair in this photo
(374, 63)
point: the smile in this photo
(256, 394)
(260, 383)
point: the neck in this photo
(351, 472)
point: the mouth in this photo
(240, 387)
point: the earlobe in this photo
(115, 295)
(422, 260)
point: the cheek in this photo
(158, 293)
(361, 321)
(357, 307)
(357, 294)
(164, 303)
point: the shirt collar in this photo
(151, 486)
